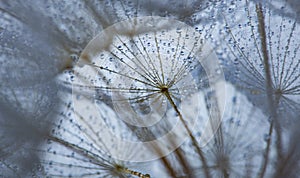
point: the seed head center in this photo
(164, 89)
(278, 91)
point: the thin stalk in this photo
(220, 143)
(150, 135)
(135, 173)
(266, 153)
(269, 90)
(212, 105)
(194, 141)
(184, 164)
(168, 166)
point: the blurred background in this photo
(257, 46)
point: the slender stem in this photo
(168, 166)
(194, 141)
(261, 27)
(135, 173)
(183, 161)
(266, 153)
(270, 91)
(220, 142)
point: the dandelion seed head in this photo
(139, 64)
(283, 53)
(234, 150)
(77, 145)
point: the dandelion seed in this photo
(142, 70)
(78, 147)
(235, 149)
(266, 71)
(283, 52)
